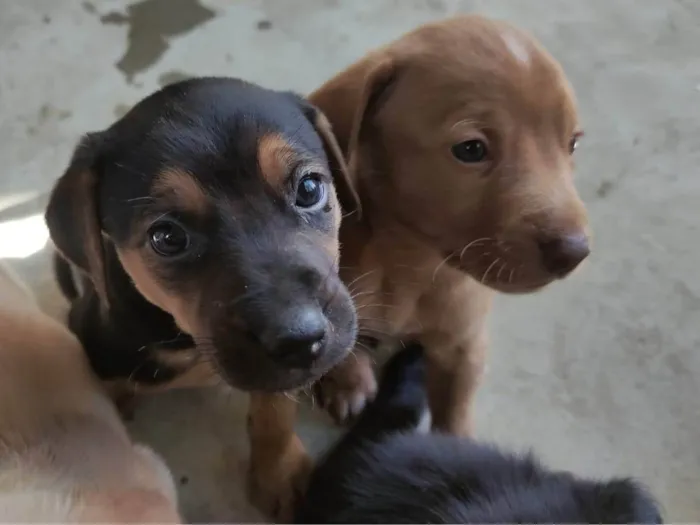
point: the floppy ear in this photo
(344, 182)
(351, 99)
(72, 215)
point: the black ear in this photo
(72, 215)
(343, 178)
(626, 501)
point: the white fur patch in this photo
(426, 421)
(517, 48)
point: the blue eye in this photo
(311, 192)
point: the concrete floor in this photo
(600, 374)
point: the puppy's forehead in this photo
(471, 61)
(214, 117)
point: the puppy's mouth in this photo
(248, 366)
(506, 267)
(282, 357)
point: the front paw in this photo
(277, 480)
(347, 389)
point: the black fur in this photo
(384, 472)
(255, 258)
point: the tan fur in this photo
(275, 157)
(279, 463)
(138, 263)
(435, 230)
(182, 190)
(65, 456)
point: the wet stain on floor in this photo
(151, 24)
(170, 77)
(120, 110)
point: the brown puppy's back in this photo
(64, 453)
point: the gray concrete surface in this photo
(599, 374)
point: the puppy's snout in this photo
(298, 338)
(563, 253)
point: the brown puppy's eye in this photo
(311, 192)
(470, 151)
(168, 239)
(573, 143)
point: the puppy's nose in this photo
(300, 338)
(562, 254)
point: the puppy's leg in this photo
(401, 403)
(347, 388)
(453, 376)
(279, 465)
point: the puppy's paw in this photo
(278, 480)
(347, 389)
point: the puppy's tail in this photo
(64, 276)
(401, 403)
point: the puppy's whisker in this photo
(356, 279)
(486, 273)
(475, 242)
(500, 270)
(291, 397)
(442, 263)
(361, 294)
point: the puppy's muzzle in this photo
(561, 254)
(297, 337)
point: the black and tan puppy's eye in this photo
(470, 151)
(311, 192)
(168, 239)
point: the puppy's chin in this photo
(247, 367)
(504, 268)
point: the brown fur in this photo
(65, 456)
(275, 156)
(439, 235)
(183, 190)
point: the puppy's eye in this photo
(470, 151)
(311, 192)
(573, 143)
(168, 239)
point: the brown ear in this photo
(72, 216)
(350, 100)
(344, 183)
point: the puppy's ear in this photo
(344, 181)
(72, 215)
(626, 501)
(352, 98)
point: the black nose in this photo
(562, 254)
(299, 337)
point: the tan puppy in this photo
(460, 137)
(64, 454)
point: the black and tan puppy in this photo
(383, 471)
(204, 225)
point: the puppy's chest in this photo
(401, 304)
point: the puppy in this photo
(459, 137)
(65, 455)
(382, 471)
(204, 227)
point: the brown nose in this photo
(562, 254)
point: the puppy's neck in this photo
(410, 250)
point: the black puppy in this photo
(383, 471)
(204, 227)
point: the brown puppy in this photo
(65, 455)
(460, 136)
(204, 224)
